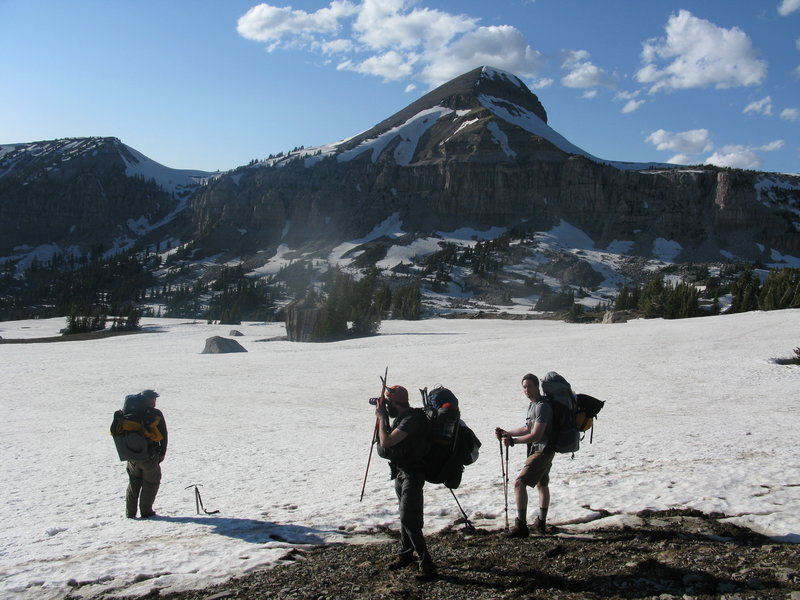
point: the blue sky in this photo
(204, 84)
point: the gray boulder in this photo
(221, 345)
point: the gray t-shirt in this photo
(539, 412)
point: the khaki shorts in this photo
(537, 469)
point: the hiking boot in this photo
(539, 526)
(519, 530)
(402, 560)
(427, 571)
(148, 515)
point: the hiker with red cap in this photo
(405, 443)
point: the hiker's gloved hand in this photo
(499, 433)
(508, 440)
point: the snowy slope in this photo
(698, 415)
(175, 181)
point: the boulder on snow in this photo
(235, 333)
(221, 345)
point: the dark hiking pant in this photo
(408, 487)
(144, 478)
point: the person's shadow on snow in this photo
(251, 530)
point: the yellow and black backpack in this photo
(135, 430)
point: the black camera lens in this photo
(373, 401)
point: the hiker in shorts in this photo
(144, 476)
(536, 472)
(405, 444)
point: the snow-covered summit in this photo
(49, 156)
(454, 122)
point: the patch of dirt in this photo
(668, 555)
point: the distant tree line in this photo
(658, 298)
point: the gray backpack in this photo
(564, 436)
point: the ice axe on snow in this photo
(198, 501)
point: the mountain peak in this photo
(463, 93)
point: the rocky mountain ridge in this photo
(478, 152)
(474, 155)
(84, 196)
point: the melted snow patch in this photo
(409, 133)
(569, 236)
(666, 250)
(170, 180)
(389, 227)
(499, 137)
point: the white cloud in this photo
(763, 106)
(787, 7)
(738, 157)
(742, 157)
(339, 46)
(582, 73)
(391, 66)
(625, 95)
(381, 24)
(696, 53)
(589, 94)
(772, 146)
(266, 23)
(693, 141)
(790, 114)
(395, 40)
(632, 106)
(681, 159)
(797, 72)
(501, 46)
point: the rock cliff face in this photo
(81, 194)
(476, 152)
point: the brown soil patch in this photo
(672, 555)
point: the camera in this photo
(373, 401)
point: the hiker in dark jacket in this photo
(405, 443)
(144, 476)
(536, 471)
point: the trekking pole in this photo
(467, 523)
(374, 435)
(506, 487)
(505, 482)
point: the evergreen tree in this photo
(781, 289)
(366, 310)
(745, 291)
(407, 302)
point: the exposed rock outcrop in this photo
(221, 345)
(476, 152)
